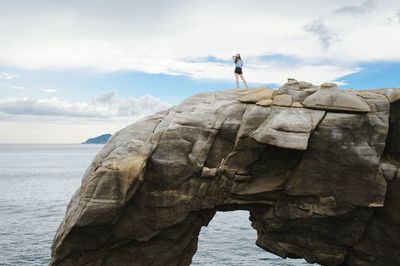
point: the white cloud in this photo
(364, 8)
(325, 35)
(105, 106)
(18, 88)
(395, 18)
(47, 90)
(171, 38)
(5, 75)
(52, 120)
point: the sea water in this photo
(37, 182)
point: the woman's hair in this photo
(237, 58)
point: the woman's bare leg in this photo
(237, 80)
(244, 81)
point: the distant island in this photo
(98, 140)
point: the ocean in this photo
(38, 180)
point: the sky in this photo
(71, 70)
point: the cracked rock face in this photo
(320, 179)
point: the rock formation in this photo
(316, 166)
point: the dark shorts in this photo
(238, 70)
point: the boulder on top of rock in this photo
(257, 95)
(328, 85)
(370, 95)
(336, 100)
(282, 100)
(305, 85)
(291, 81)
(297, 105)
(288, 128)
(393, 95)
(377, 102)
(265, 103)
(299, 90)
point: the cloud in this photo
(46, 90)
(257, 71)
(107, 105)
(325, 35)
(82, 35)
(18, 88)
(395, 18)
(5, 75)
(52, 120)
(364, 8)
(107, 98)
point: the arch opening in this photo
(229, 239)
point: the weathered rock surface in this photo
(257, 96)
(265, 103)
(336, 100)
(320, 183)
(288, 128)
(283, 100)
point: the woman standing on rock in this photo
(238, 70)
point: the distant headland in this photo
(102, 139)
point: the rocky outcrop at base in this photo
(317, 167)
